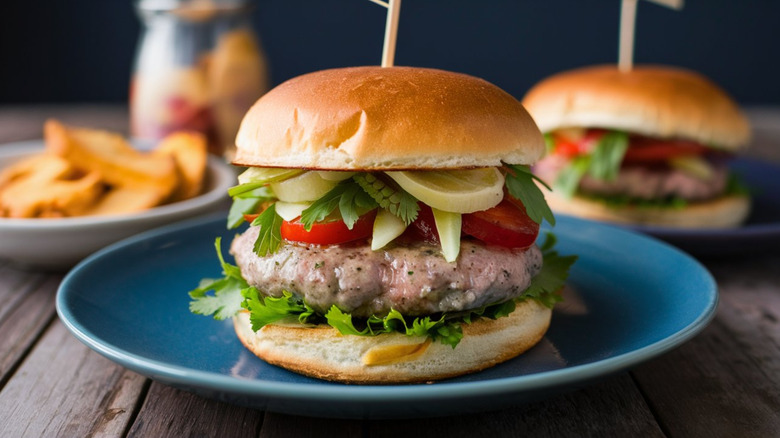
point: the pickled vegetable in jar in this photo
(199, 67)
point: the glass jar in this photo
(199, 66)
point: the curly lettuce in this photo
(225, 297)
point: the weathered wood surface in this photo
(725, 382)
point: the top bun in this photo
(374, 118)
(656, 101)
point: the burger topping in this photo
(340, 198)
(634, 168)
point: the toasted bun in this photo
(373, 118)
(723, 212)
(322, 352)
(655, 101)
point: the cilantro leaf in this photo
(225, 302)
(520, 184)
(270, 236)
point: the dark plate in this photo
(630, 298)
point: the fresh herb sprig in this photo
(270, 236)
(350, 199)
(520, 184)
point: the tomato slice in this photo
(423, 228)
(650, 150)
(507, 224)
(329, 233)
(571, 147)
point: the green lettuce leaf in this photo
(232, 293)
(602, 163)
(225, 301)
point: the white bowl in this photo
(58, 244)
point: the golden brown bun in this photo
(656, 101)
(375, 118)
(723, 212)
(322, 352)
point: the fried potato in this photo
(108, 154)
(190, 153)
(41, 167)
(33, 194)
(123, 200)
(93, 172)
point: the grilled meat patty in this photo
(412, 279)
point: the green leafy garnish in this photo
(553, 275)
(270, 236)
(267, 310)
(520, 184)
(389, 196)
(247, 203)
(348, 196)
(607, 155)
(232, 293)
(225, 302)
(602, 163)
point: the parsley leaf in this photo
(270, 236)
(520, 184)
(348, 196)
(226, 299)
(551, 279)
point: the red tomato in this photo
(424, 227)
(648, 150)
(507, 224)
(329, 233)
(570, 148)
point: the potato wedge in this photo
(117, 162)
(30, 196)
(42, 167)
(123, 200)
(190, 153)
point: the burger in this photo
(392, 227)
(649, 146)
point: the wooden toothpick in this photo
(627, 28)
(391, 30)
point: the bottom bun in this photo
(723, 212)
(322, 352)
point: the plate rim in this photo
(382, 394)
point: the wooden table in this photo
(725, 382)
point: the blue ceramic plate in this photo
(630, 298)
(760, 232)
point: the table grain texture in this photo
(723, 383)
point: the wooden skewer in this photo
(391, 31)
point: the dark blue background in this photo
(82, 50)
